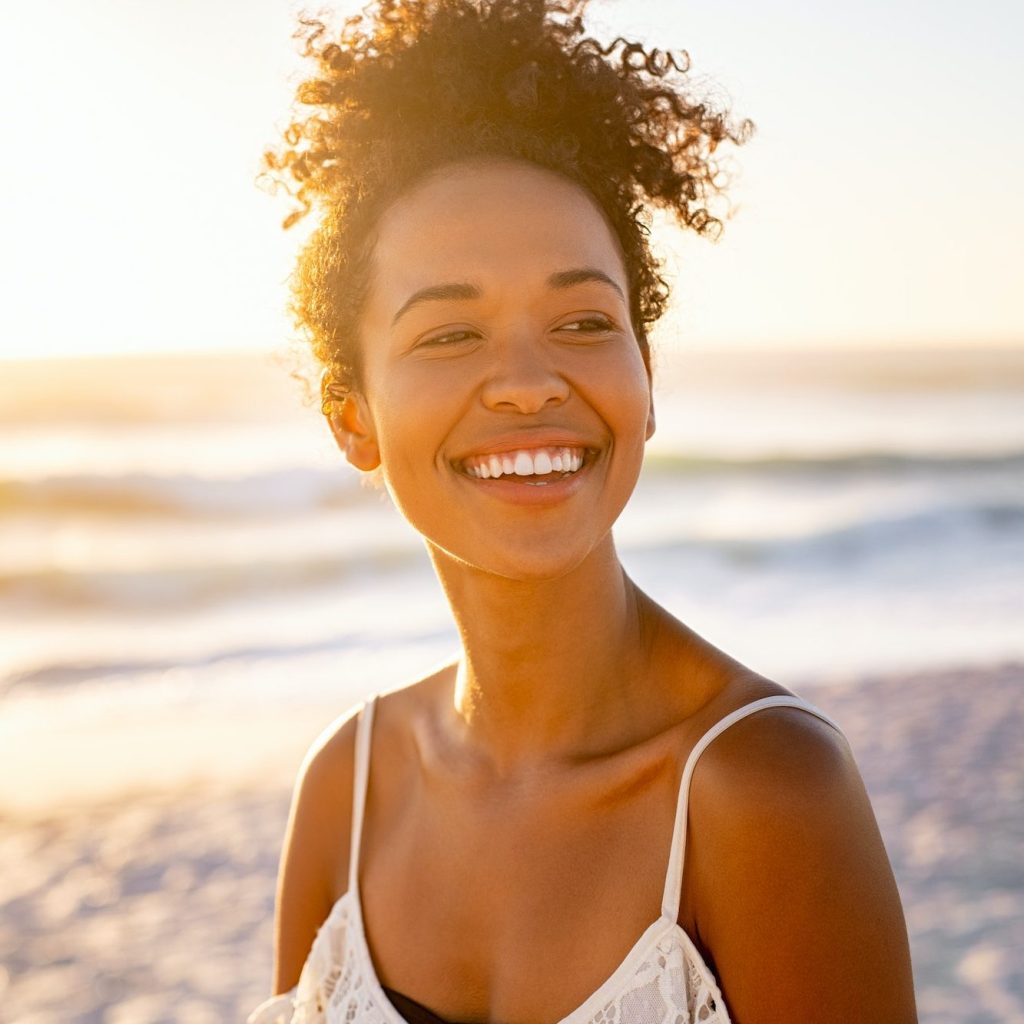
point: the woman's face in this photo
(503, 392)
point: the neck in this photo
(551, 669)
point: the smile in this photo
(549, 463)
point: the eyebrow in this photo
(461, 290)
(435, 293)
(580, 275)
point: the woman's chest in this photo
(515, 910)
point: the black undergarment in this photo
(416, 1013)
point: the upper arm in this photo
(315, 850)
(797, 901)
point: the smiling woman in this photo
(479, 290)
(524, 353)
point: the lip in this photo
(527, 440)
(515, 490)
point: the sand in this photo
(153, 902)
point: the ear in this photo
(650, 411)
(352, 426)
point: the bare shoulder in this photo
(314, 866)
(794, 895)
(315, 849)
(780, 754)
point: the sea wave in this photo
(854, 462)
(57, 674)
(966, 523)
(300, 490)
(194, 587)
(128, 495)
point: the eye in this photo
(449, 338)
(589, 326)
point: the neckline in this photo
(672, 891)
(664, 924)
(594, 1002)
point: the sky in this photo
(878, 205)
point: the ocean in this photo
(181, 529)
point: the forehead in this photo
(487, 219)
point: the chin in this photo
(530, 565)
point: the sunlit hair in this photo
(410, 85)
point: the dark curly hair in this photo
(410, 85)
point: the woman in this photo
(494, 841)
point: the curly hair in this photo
(411, 85)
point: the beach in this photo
(153, 900)
(193, 585)
(212, 430)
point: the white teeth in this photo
(537, 462)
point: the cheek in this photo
(402, 448)
(411, 428)
(633, 394)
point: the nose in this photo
(522, 377)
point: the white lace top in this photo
(662, 980)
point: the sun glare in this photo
(132, 221)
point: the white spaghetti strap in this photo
(674, 875)
(364, 728)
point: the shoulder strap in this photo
(674, 875)
(364, 728)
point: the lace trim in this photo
(670, 985)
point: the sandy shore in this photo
(158, 907)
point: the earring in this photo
(331, 392)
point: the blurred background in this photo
(193, 584)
